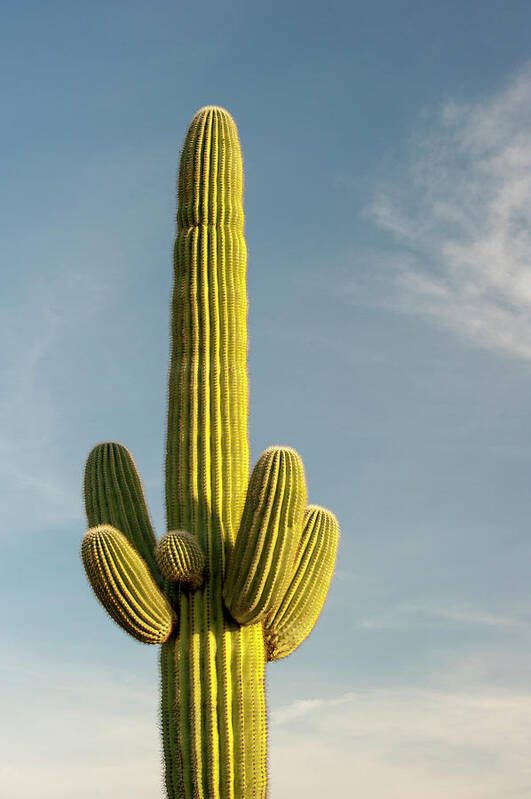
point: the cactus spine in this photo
(243, 572)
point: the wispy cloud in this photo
(409, 614)
(303, 707)
(49, 315)
(86, 728)
(74, 732)
(404, 744)
(64, 273)
(460, 218)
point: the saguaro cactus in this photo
(242, 573)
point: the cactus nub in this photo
(243, 573)
(181, 559)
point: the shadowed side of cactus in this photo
(243, 572)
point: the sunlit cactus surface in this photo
(242, 572)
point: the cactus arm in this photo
(114, 495)
(292, 621)
(263, 557)
(121, 580)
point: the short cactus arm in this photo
(114, 495)
(121, 580)
(293, 620)
(262, 561)
(181, 559)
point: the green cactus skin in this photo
(243, 573)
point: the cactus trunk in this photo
(213, 705)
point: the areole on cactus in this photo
(242, 574)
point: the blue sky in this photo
(387, 154)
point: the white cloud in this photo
(460, 217)
(93, 733)
(65, 272)
(429, 614)
(404, 744)
(71, 732)
(31, 434)
(303, 707)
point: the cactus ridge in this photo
(243, 572)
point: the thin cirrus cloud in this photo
(426, 615)
(27, 414)
(32, 435)
(95, 732)
(405, 744)
(460, 220)
(96, 735)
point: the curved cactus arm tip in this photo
(181, 558)
(121, 580)
(266, 545)
(114, 495)
(293, 620)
